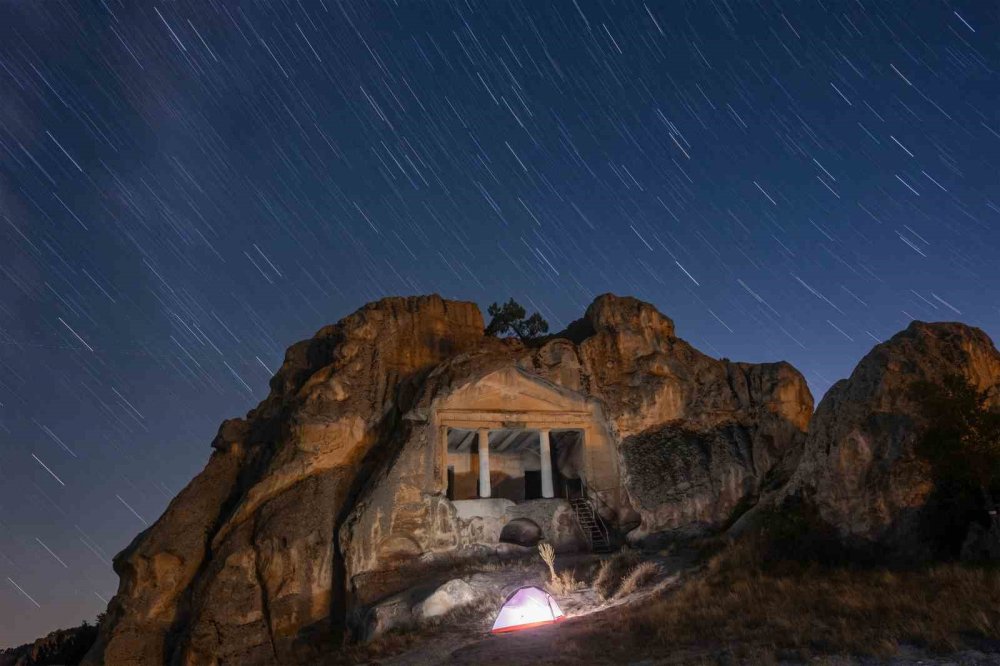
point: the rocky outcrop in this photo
(241, 567)
(333, 483)
(859, 468)
(624, 364)
(63, 646)
(451, 595)
(691, 480)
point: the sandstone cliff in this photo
(241, 566)
(256, 561)
(859, 468)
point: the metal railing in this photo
(595, 502)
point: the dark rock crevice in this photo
(265, 601)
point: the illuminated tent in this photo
(525, 608)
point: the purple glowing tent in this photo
(525, 608)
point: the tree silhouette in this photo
(509, 319)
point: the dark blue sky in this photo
(187, 188)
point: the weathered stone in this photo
(451, 595)
(392, 613)
(690, 481)
(859, 467)
(243, 563)
(521, 531)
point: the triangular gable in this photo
(514, 389)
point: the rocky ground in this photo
(640, 627)
(466, 639)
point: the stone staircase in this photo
(591, 525)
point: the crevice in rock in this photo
(395, 431)
(259, 458)
(264, 600)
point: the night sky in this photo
(187, 188)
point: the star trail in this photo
(187, 188)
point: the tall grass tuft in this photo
(639, 577)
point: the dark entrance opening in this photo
(567, 462)
(451, 482)
(532, 484)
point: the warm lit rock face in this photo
(336, 480)
(859, 468)
(241, 567)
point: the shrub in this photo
(548, 555)
(807, 609)
(612, 571)
(793, 532)
(564, 583)
(640, 576)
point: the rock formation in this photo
(62, 646)
(308, 504)
(241, 566)
(859, 468)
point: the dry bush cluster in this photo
(741, 605)
(612, 571)
(559, 583)
(564, 583)
(639, 577)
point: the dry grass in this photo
(559, 583)
(548, 555)
(564, 583)
(612, 571)
(798, 610)
(640, 576)
(493, 566)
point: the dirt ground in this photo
(472, 644)
(572, 641)
(554, 644)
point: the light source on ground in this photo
(525, 608)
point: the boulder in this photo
(859, 468)
(451, 595)
(393, 613)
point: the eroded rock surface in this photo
(333, 482)
(241, 566)
(451, 595)
(859, 467)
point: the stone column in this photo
(484, 462)
(441, 461)
(546, 455)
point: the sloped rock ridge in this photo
(331, 493)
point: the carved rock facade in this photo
(334, 491)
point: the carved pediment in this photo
(514, 390)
